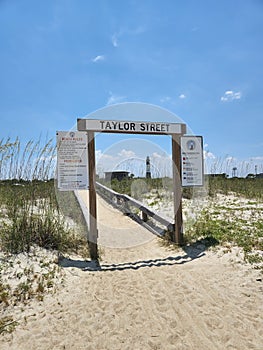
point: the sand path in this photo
(146, 297)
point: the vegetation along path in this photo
(145, 296)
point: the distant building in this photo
(222, 175)
(119, 175)
(148, 168)
(259, 175)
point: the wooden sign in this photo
(131, 127)
(176, 130)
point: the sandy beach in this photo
(146, 296)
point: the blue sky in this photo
(202, 60)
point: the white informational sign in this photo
(131, 127)
(192, 166)
(72, 160)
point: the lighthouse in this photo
(148, 168)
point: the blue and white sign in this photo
(192, 165)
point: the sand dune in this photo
(147, 297)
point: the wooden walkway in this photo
(116, 230)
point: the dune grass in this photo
(32, 215)
(249, 188)
(30, 212)
(235, 218)
(228, 229)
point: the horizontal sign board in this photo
(72, 162)
(130, 127)
(192, 161)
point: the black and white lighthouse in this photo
(148, 168)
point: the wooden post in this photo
(93, 231)
(144, 217)
(177, 235)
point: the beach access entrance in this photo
(174, 130)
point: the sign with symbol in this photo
(192, 167)
(72, 160)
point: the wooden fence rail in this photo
(123, 202)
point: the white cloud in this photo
(230, 96)
(98, 58)
(103, 156)
(126, 32)
(126, 153)
(182, 96)
(165, 99)
(129, 160)
(171, 100)
(113, 99)
(157, 155)
(104, 162)
(114, 40)
(163, 156)
(161, 164)
(209, 155)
